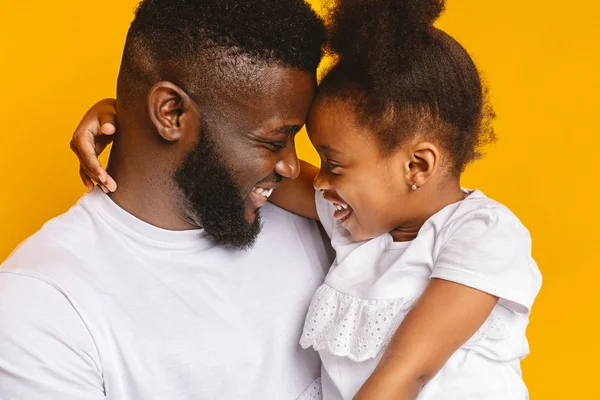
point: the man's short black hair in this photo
(199, 43)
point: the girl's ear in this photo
(423, 162)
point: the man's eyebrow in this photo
(287, 129)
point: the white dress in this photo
(372, 285)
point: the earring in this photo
(414, 186)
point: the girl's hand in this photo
(90, 139)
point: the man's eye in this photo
(275, 146)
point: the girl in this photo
(430, 293)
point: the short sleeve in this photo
(325, 211)
(490, 250)
(46, 352)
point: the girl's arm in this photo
(95, 132)
(446, 315)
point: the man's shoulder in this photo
(60, 242)
(46, 264)
(276, 217)
(285, 226)
(290, 232)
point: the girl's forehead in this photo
(337, 137)
(332, 116)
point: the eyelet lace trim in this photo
(359, 329)
(314, 391)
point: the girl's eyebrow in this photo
(327, 149)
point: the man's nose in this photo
(289, 165)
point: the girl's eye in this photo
(332, 168)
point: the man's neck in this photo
(146, 191)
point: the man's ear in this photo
(170, 109)
(424, 161)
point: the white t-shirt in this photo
(372, 285)
(100, 305)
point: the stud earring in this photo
(414, 186)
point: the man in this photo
(168, 288)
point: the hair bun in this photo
(418, 13)
(362, 31)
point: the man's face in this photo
(244, 150)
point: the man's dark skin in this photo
(255, 137)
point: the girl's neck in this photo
(430, 199)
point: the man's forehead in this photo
(280, 105)
(241, 72)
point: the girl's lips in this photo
(342, 214)
(342, 210)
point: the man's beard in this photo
(212, 198)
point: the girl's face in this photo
(370, 190)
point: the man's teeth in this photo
(340, 207)
(263, 192)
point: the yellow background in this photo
(540, 58)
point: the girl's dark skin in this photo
(379, 191)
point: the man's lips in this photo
(259, 195)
